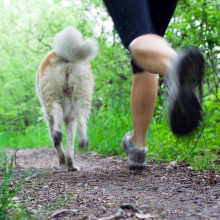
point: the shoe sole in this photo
(185, 112)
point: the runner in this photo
(141, 25)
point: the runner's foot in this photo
(185, 109)
(136, 156)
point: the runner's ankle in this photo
(138, 143)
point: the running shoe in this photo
(185, 109)
(136, 156)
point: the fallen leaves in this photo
(128, 207)
(100, 190)
(56, 213)
(118, 214)
(212, 180)
(121, 214)
(144, 216)
(15, 199)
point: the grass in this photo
(107, 126)
(7, 193)
(107, 130)
(200, 149)
(30, 137)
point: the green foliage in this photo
(27, 30)
(7, 193)
(107, 128)
(3, 114)
(30, 137)
(197, 23)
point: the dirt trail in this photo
(104, 187)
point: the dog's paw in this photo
(70, 164)
(73, 168)
(84, 144)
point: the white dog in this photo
(64, 85)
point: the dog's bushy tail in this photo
(69, 45)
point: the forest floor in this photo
(105, 188)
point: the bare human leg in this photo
(152, 53)
(143, 100)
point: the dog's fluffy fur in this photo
(64, 85)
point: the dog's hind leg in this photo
(55, 119)
(70, 136)
(82, 131)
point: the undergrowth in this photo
(108, 124)
(9, 209)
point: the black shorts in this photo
(133, 18)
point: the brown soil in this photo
(105, 188)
